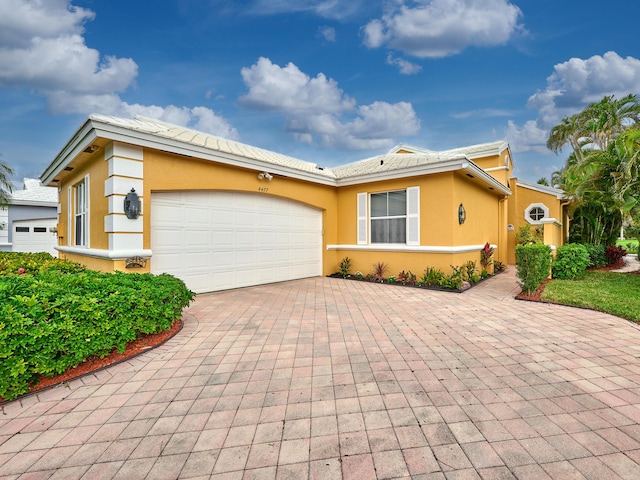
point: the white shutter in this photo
(413, 216)
(70, 211)
(362, 219)
(87, 209)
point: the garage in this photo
(34, 236)
(218, 240)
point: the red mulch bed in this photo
(537, 295)
(135, 347)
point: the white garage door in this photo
(219, 240)
(34, 236)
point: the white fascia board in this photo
(108, 254)
(83, 137)
(489, 151)
(559, 194)
(33, 203)
(143, 139)
(383, 247)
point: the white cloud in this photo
(328, 33)
(440, 28)
(577, 83)
(272, 87)
(317, 110)
(572, 86)
(22, 20)
(528, 138)
(405, 67)
(42, 47)
(335, 9)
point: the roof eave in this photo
(94, 128)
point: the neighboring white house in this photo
(28, 224)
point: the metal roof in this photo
(151, 133)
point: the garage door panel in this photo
(220, 240)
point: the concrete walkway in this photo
(327, 379)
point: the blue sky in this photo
(327, 81)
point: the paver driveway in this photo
(327, 379)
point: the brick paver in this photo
(328, 379)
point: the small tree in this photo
(5, 184)
(533, 262)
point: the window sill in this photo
(385, 247)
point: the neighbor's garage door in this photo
(34, 236)
(219, 240)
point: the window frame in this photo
(79, 213)
(388, 219)
(411, 216)
(535, 207)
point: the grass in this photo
(615, 293)
(630, 244)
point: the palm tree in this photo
(5, 184)
(543, 181)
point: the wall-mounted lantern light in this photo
(132, 204)
(462, 214)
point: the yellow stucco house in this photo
(221, 214)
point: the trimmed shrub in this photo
(50, 322)
(571, 261)
(614, 254)
(597, 257)
(533, 262)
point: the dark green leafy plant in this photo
(345, 267)
(525, 236)
(51, 321)
(498, 266)
(571, 261)
(432, 276)
(597, 257)
(533, 263)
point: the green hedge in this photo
(533, 262)
(571, 261)
(597, 256)
(51, 321)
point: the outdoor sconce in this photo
(462, 214)
(265, 176)
(132, 204)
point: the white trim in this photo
(108, 254)
(70, 208)
(122, 185)
(124, 150)
(125, 241)
(551, 221)
(413, 216)
(123, 167)
(536, 187)
(495, 169)
(363, 218)
(121, 224)
(527, 212)
(384, 247)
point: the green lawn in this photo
(615, 293)
(631, 244)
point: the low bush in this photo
(50, 322)
(432, 276)
(30, 263)
(571, 261)
(614, 254)
(597, 257)
(533, 262)
(345, 267)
